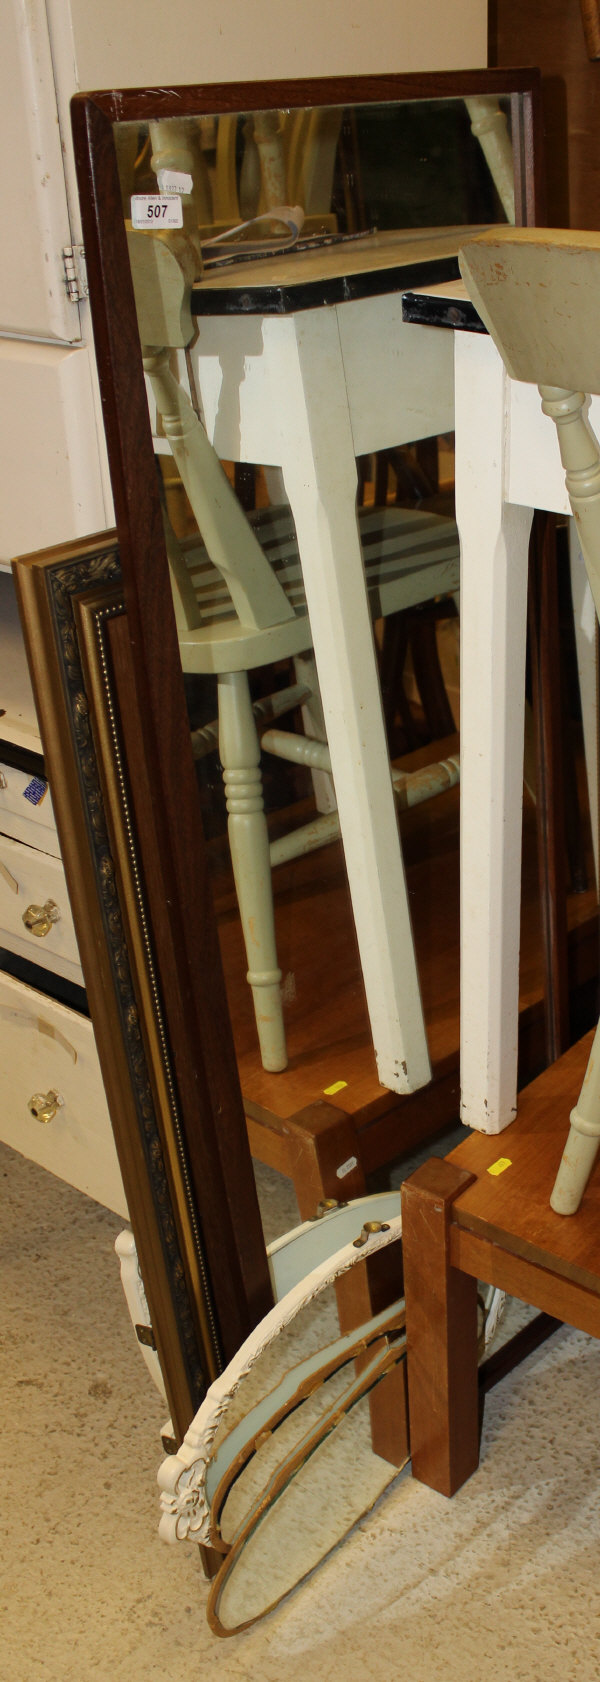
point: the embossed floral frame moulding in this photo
(71, 603)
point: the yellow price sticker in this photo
(499, 1166)
(338, 1085)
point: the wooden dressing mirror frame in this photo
(164, 791)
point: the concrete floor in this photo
(502, 1583)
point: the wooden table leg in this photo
(441, 1329)
(311, 1147)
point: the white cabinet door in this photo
(49, 1052)
(33, 199)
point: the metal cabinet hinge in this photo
(145, 1335)
(75, 273)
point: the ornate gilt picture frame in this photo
(71, 602)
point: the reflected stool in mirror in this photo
(240, 604)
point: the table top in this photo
(367, 266)
(446, 304)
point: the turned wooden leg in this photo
(441, 1332)
(583, 1143)
(586, 643)
(249, 844)
(314, 727)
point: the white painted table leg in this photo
(586, 642)
(317, 455)
(494, 543)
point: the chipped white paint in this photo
(184, 1479)
(135, 1297)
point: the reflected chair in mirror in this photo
(240, 605)
(242, 167)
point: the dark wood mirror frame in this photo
(164, 793)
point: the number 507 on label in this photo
(156, 210)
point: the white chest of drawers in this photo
(53, 1107)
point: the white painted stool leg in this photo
(582, 1145)
(580, 456)
(581, 461)
(318, 460)
(494, 546)
(586, 643)
(249, 844)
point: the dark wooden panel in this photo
(549, 33)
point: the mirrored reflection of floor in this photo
(325, 1014)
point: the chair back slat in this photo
(161, 279)
(538, 292)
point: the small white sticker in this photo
(346, 1168)
(174, 181)
(156, 210)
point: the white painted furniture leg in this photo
(586, 643)
(580, 457)
(582, 1145)
(249, 845)
(494, 544)
(490, 128)
(135, 1296)
(319, 467)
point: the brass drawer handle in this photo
(43, 1105)
(39, 918)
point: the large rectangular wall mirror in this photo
(280, 451)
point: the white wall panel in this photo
(229, 40)
(50, 480)
(33, 204)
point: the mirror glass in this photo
(415, 164)
(272, 212)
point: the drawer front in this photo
(20, 817)
(30, 879)
(49, 1058)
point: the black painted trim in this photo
(331, 289)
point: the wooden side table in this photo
(484, 1213)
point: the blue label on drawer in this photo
(35, 791)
